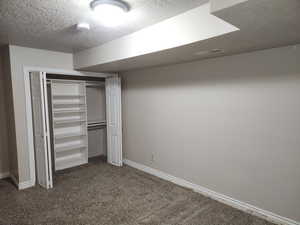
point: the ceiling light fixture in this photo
(110, 12)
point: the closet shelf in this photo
(69, 111)
(96, 122)
(67, 103)
(69, 148)
(68, 96)
(70, 161)
(69, 121)
(68, 135)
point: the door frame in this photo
(28, 115)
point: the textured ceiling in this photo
(50, 24)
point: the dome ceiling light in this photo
(110, 13)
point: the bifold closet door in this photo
(114, 121)
(41, 128)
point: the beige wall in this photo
(229, 124)
(4, 163)
(217, 5)
(19, 58)
(8, 127)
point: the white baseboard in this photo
(22, 185)
(269, 216)
(25, 184)
(4, 175)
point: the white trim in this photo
(26, 71)
(29, 132)
(47, 131)
(22, 185)
(253, 210)
(25, 184)
(65, 72)
(4, 175)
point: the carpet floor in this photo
(98, 193)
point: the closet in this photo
(96, 117)
(74, 119)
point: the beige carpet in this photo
(102, 194)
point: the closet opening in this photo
(75, 120)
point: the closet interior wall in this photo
(96, 114)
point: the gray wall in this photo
(4, 163)
(8, 133)
(229, 124)
(21, 57)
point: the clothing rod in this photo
(101, 125)
(96, 124)
(97, 128)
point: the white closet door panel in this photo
(41, 129)
(114, 122)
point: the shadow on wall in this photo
(231, 70)
(4, 165)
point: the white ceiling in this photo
(50, 24)
(262, 24)
(192, 26)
